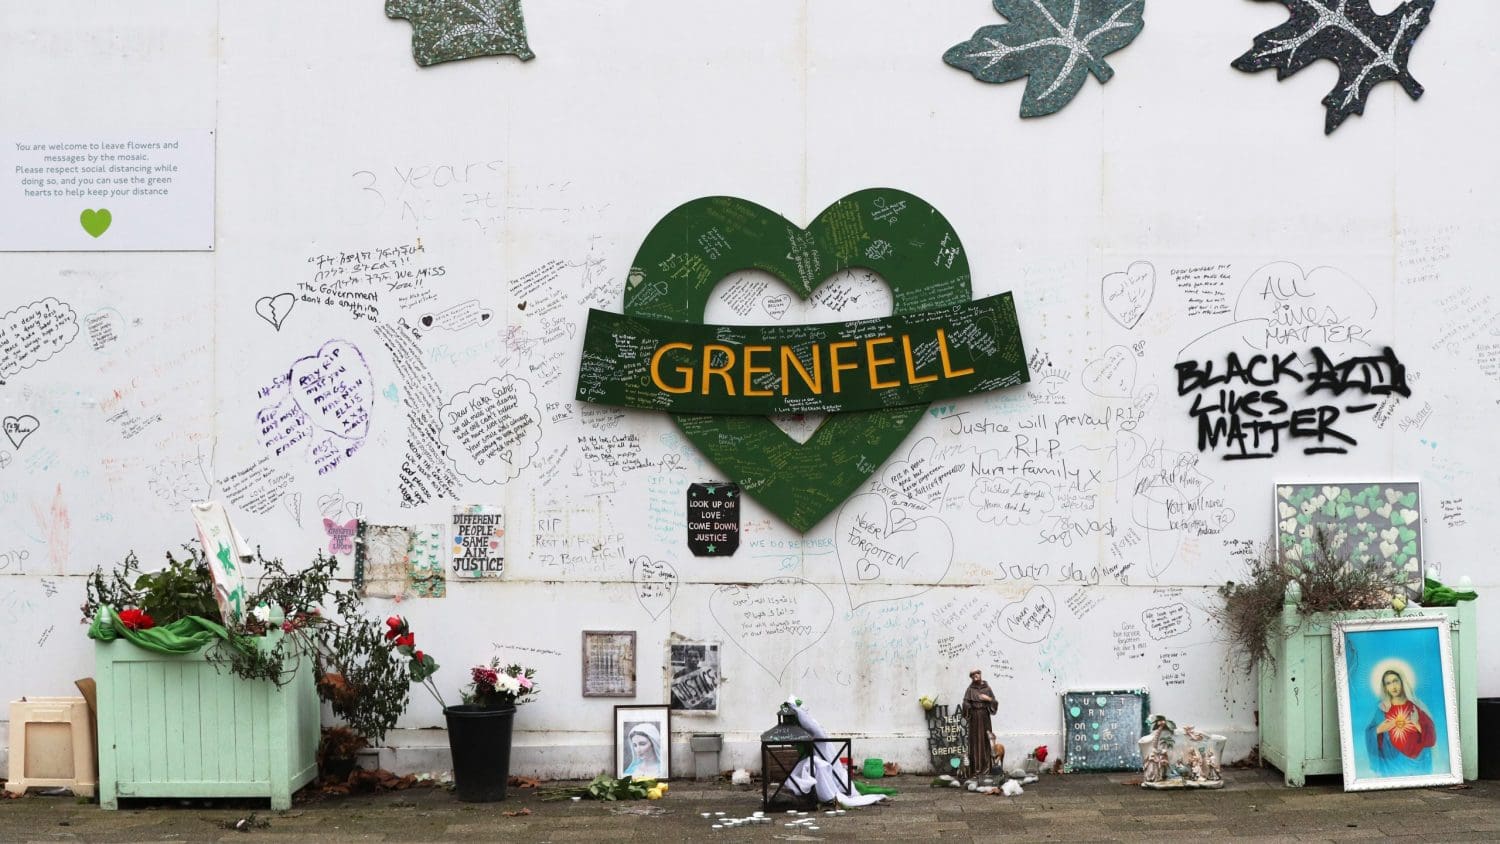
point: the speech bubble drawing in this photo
(1011, 501)
(1168, 621)
(492, 430)
(773, 622)
(34, 333)
(1030, 619)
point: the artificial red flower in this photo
(418, 656)
(406, 640)
(397, 625)
(136, 619)
(1040, 753)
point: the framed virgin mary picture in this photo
(643, 736)
(1398, 703)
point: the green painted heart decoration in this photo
(891, 232)
(95, 222)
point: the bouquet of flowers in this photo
(491, 685)
(494, 685)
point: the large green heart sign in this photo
(891, 232)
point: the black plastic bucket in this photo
(480, 740)
(1489, 738)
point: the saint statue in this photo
(979, 705)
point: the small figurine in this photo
(1197, 767)
(1193, 761)
(1211, 766)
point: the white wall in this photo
(534, 184)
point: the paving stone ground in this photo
(1254, 806)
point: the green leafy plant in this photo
(183, 588)
(605, 787)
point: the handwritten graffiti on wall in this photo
(1245, 409)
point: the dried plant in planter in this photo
(1330, 582)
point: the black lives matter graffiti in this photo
(1253, 408)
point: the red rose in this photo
(419, 656)
(406, 640)
(136, 619)
(1040, 753)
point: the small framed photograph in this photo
(609, 663)
(642, 736)
(1398, 705)
(695, 677)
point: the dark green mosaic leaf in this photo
(1056, 44)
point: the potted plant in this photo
(1279, 619)
(479, 729)
(173, 722)
(251, 688)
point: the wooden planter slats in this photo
(179, 726)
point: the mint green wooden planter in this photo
(1299, 705)
(178, 726)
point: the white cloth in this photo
(822, 772)
(226, 550)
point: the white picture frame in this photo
(1397, 702)
(641, 733)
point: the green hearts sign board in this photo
(447, 30)
(1372, 523)
(891, 232)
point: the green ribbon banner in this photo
(871, 364)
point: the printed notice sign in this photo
(115, 190)
(478, 542)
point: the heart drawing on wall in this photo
(773, 621)
(18, 428)
(881, 547)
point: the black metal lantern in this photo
(785, 745)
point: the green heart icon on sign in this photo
(1075, 711)
(895, 234)
(95, 222)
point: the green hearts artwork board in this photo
(1380, 523)
(891, 232)
(1101, 730)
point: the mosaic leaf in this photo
(1368, 48)
(1055, 43)
(448, 30)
